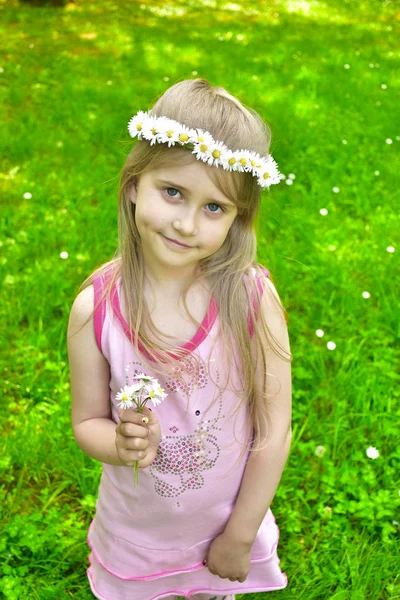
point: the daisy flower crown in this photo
(162, 130)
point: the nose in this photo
(186, 223)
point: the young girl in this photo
(185, 301)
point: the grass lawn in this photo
(325, 77)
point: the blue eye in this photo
(217, 205)
(171, 188)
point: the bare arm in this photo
(97, 438)
(264, 469)
(95, 432)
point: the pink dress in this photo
(149, 541)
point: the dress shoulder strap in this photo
(99, 309)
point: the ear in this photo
(133, 190)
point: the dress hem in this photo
(190, 593)
(154, 576)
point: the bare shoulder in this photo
(89, 369)
(81, 310)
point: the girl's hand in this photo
(134, 439)
(228, 560)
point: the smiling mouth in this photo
(176, 242)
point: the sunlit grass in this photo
(324, 75)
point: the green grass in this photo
(71, 77)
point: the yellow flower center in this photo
(124, 397)
(170, 133)
(216, 153)
(203, 147)
(139, 126)
(266, 175)
(154, 131)
(152, 394)
(253, 162)
(232, 161)
(183, 137)
(200, 138)
(243, 161)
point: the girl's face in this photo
(184, 205)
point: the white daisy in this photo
(124, 397)
(230, 161)
(186, 135)
(169, 131)
(269, 173)
(244, 159)
(135, 125)
(151, 130)
(217, 152)
(255, 162)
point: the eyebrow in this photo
(181, 187)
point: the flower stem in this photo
(139, 407)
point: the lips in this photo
(177, 242)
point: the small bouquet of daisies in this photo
(142, 389)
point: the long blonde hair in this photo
(197, 104)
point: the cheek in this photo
(152, 216)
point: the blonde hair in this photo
(197, 104)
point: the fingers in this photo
(132, 415)
(131, 448)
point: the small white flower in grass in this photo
(366, 295)
(319, 333)
(27, 195)
(320, 451)
(389, 141)
(59, 144)
(289, 182)
(372, 452)
(336, 190)
(323, 212)
(377, 173)
(292, 176)
(390, 249)
(371, 65)
(64, 255)
(331, 345)
(344, 141)
(347, 66)
(332, 247)
(398, 138)
(1, 70)
(384, 86)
